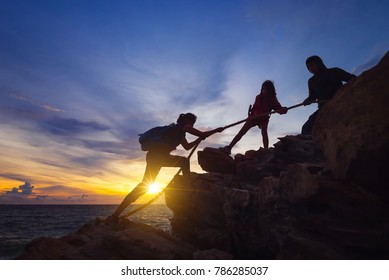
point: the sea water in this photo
(19, 224)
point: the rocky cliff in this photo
(320, 197)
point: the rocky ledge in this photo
(127, 240)
(324, 197)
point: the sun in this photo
(154, 188)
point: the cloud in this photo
(14, 109)
(63, 194)
(90, 136)
(65, 190)
(14, 176)
(25, 189)
(44, 106)
(65, 127)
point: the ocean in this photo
(19, 224)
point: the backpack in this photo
(157, 136)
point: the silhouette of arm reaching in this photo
(201, 134)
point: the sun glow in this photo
(154, 188)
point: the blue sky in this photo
(79, 80)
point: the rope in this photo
(191, 153)
(261, 115)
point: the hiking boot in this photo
(226, 149)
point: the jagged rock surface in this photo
(97, 241)
(290, 209)
(353, 130)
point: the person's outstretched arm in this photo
(201, 134)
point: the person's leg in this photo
(307, 127)
(246, 127)
(177, 161)
(140, 189)
(265, 136)
(151, 172)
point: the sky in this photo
(79, 80)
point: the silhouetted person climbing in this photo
(159, 156)
(265, 102)
(322, 86)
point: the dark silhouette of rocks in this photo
(293, 210)
(97, 241)
(224, 163)
(319, 197)
(353, 130)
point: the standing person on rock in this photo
(322, 86)
(259, 115)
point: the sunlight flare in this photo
(154, 188)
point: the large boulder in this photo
(353, 130)
(216, 160)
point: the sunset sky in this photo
(79, 80)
